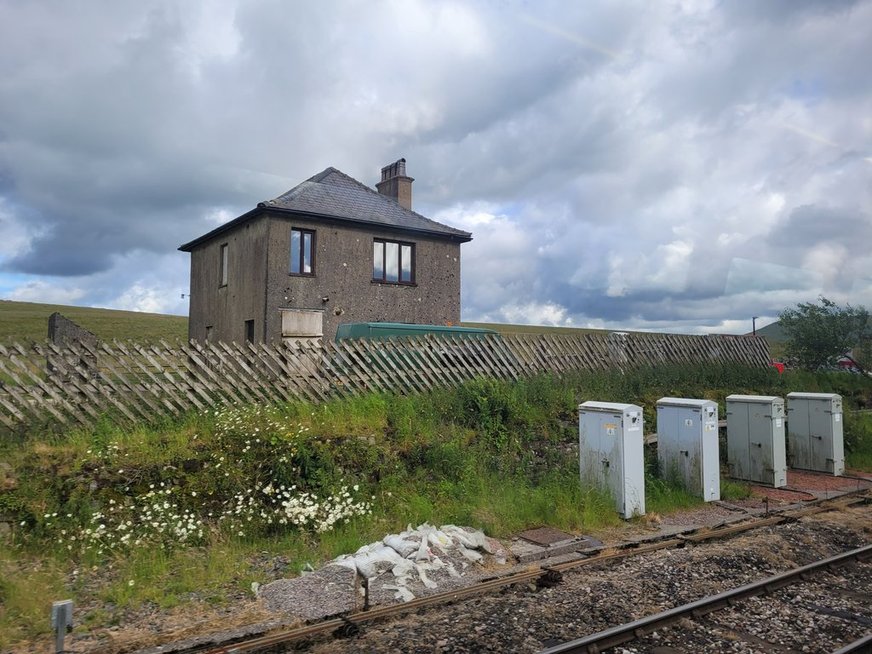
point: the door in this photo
(738, 440)
(710, 469)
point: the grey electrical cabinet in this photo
(687, 444)
(610, 451)
(756, 449)
(815, 432)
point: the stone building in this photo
(330, 250)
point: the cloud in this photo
(41, 291)
(675, 165)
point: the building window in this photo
(393, 262)
(222, 272)
(249, 331)
(302, 252)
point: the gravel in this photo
(527, 618)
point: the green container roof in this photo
(390, 329)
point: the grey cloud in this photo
(650, 146)
(810, 225)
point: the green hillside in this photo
(28, 321)
(774, 332)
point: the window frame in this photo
(301, 254)
(412, 268)
(223, 264)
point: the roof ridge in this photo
(341, 197)
(381, 196)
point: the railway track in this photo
(636, 630)
(350, 625)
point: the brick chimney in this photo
(395, 184)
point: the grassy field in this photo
(28, 322)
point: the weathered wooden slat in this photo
(487, 363)
(417, 366)
(373, 356)
(146, 381)
(396, 374)
(229, 375)
(102, 385)
(199, 355)
(276, 374)
(338, 368)
(178, 378)
(184, 373)
(303, 358)
(121, 398)
(74, 380)
(495, 349)
(164, 397)
(287, 377)
(240, 369)
(480, 366)
(163, 378)
(429, 359)
(25, 388)
(180, 363)
(131, 388)
(440, 350)
(9, 410)
(361, 371)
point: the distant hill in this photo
(773, 333)
(28, 321)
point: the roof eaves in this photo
(248, 215)
(455, 235)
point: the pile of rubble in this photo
(399, 568)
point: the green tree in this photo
(819, 333)
(863, 352)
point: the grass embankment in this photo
(28, 322)
(198, 509)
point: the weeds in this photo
(191, 505)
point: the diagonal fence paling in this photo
(77, 384)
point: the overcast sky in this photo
(641, 165)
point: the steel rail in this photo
(603, 640)
(626, 550)
(862, 645)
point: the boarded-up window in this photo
(307, 323)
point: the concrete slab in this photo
(546, 536)
(335, 586)
(526, 552)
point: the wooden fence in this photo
(74, 385)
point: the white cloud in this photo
(640, 165)
(535, 313)
(141, 298)
(42, 291)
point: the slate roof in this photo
(333, 194)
